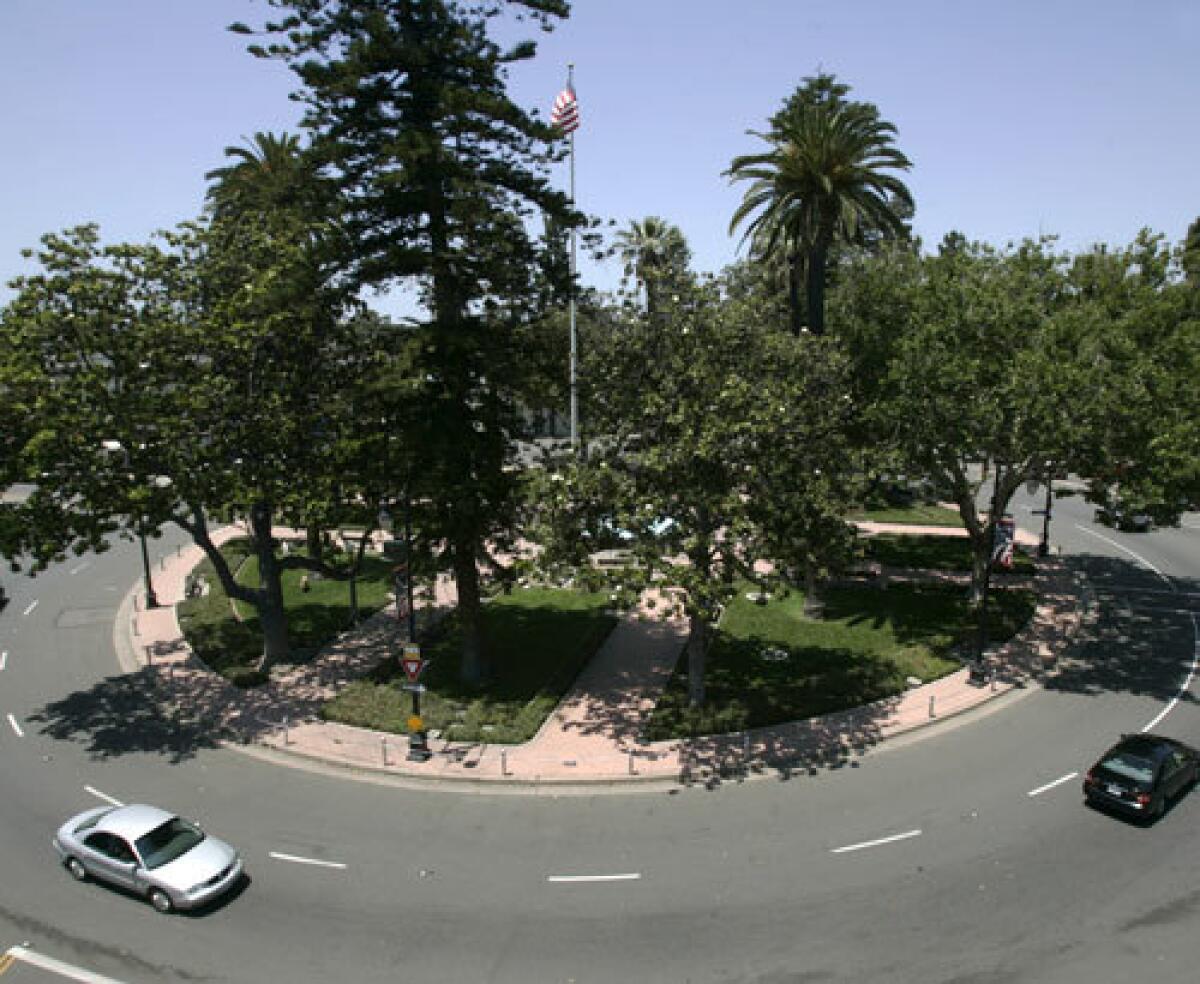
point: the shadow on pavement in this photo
(1141, 640)
(120, 715)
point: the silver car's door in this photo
(110, 858)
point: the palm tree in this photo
(271, 172)
(822, 178)
(655, 252)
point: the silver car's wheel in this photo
(75, 866)
(160, 900)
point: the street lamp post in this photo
(1044, 546)
(418, 746)
(151, 597)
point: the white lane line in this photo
(630, 876)
(1120, 546)
(16, 727)
(32, 605)
(103, 796)
(1050, 785)
(3, 659)
(81, 567)
(58, 967)
(313, 861)
(876, 843)
(1187, 683)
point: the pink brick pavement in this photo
(593, 737)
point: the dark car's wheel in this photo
(75, 866)
(160, 900)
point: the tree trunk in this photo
(271, 614)
(474, 670)
(697, 648)
(795, 274)
(815, 287)
(315, 545)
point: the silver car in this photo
(164, 858)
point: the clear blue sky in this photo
(1075, 117)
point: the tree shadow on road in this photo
(122, 715)
(1140, 637)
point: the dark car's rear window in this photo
(1129, 766)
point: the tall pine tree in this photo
(408, 110)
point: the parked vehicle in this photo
(164, 858)
(1141, 774)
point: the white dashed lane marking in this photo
(103, 796)
(294, 859)
(907, 835)
(32, 605)
(629, 876)
(16, 727)
(1050, 785)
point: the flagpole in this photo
(574, 342)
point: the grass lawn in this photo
(915, 515)
(232, 647)
(863, 650)
(944, 553)
(540, 640)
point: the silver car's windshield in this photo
(168, 841)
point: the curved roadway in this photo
(960, 854)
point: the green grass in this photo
(915, 515)
(945, 553)
(318, 615)
(539, 639)
(863, 650)
(233, 648)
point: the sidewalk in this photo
(592, 738)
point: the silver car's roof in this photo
(134, 820)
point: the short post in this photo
(285, 729)
(932, 712)
(746, 753)
(503, 761)
(632, 770)
(383, 749)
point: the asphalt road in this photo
(960, 854)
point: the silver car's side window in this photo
(110, 846)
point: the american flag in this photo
(565, 114)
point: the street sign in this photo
(413, 688)
(412, 662)
(1005, 535)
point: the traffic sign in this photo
(412, 662)
(415, 724)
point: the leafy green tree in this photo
(1143, 440)
(823, 177)
(803, 470)
(175, 383)
(985, 386)
(408, 109)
